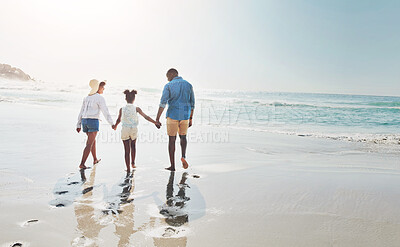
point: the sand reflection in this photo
(88, 226)
(171, 229)
(98, 208)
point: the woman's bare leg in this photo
(93, 151)
(127, 147)
(86, 151)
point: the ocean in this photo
(374, 120)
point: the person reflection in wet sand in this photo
(172, 209)
(174, 213)
(88, 226)
(124, 223)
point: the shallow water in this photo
(358, 118)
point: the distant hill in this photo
(9, 72)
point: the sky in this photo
(321, 46)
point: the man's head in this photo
(101, 87)
(171, 74)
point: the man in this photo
(179, 96)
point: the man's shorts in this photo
(129, 133)
(177, 126)
(90, 125)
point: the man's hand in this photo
(78, 130)
(190, 122)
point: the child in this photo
(128, 117)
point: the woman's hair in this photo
(130, 95)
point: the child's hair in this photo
(130, 95)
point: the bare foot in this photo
(170, 169)
(133, 165)
(96, 161)
(82, 167)
(184, 163)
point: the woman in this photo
(89, 119)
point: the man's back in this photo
(179, 95)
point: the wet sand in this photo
(242, 188)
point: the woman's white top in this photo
(91, 107)
(129, 117)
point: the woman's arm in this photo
(138, 110)
(78, 125)
(104, 110)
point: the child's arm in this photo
(118, 119)
(147, 117)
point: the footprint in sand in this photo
(29, 223)
(67, 189)
(61, 192)
(16, 245)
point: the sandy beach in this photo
(243, 188)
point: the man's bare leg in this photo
(127, 147)
(171, 150)
(133, 153)
(183, 149)
(88, 148)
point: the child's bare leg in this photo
(86, 151)
(127, 147)
(93, 151)
(133, 152)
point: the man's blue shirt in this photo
(179, 96)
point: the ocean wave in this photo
(385, 104)
(283, 104)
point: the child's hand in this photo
(158, 125)
(114, 127)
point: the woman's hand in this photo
(78, 130)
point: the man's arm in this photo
(190, 118)
(192, 102)
(160, 111)
(163, 102)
